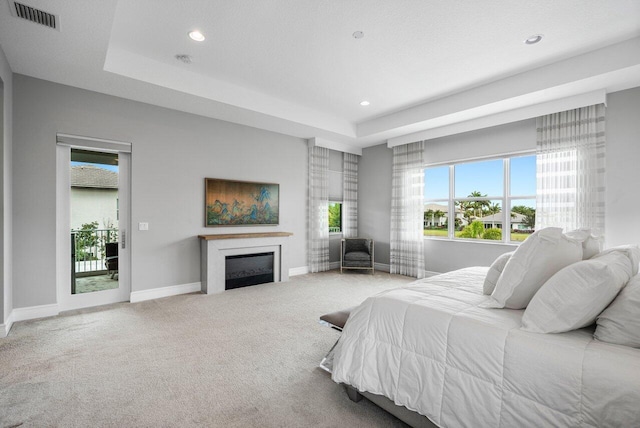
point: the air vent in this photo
(20, 10)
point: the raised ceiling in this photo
(293, 66)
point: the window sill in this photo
(335, 235)
(473, 241)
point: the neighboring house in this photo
(496, 220)
(432, 220)
(94, 197)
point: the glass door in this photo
(93, 211)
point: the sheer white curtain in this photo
(570, 169)
(407, 210)
(318, 209)
(350, 195)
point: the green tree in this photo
(428, 217)
(335, 217)
(528, 213)
(473, 230)
(493, 209)
(493, 234)
(438, 214)
(86, 238)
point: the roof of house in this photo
(91, 176)
(515, 218)
(439, 207)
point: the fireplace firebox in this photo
(248, 269)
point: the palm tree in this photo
(493, 209)
(427, 214)
(438, 214)
(478, 206)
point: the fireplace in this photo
(214, 250)
(248, 269)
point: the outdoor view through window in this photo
(478, 197)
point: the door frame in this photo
(66, 300)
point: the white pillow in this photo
(590, 242)
(494, 272)
(574, 297)
(620, 322)
(535, 261)
(631, 251)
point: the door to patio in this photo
(93, 218)
(94, 221)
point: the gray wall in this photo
(374, 198)
(623, 176)
(623, 168)
(172, 153)
(6, 126)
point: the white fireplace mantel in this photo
(215, 248)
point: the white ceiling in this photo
(292, 66)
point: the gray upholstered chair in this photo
(357, 253)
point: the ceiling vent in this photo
(20, 10)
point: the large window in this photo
(479, 194)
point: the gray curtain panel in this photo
(318, 209)
(407, 210)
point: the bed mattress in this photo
(430, 348)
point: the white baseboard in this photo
(302, 270)
(382, 267)
(428, 273)
(33, 312)
(157, 293)
(334, 265)
(6, 327)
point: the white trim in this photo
(429, 273)
(79, 141)
(6, 327)
(302, 270)
(382, 267)
(171, 290)
(582, 100)
(33, 312)
(334, 265)
(505, 155)
(334, 145)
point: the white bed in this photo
(430, 348)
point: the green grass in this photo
(443, 233)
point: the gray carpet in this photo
(243, 358)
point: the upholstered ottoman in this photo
(335, 320)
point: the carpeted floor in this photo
(243, 358)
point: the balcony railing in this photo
(88, 249)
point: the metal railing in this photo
(88, 248)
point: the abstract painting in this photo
(241, 203)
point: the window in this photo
(335, 217)
(477, 193)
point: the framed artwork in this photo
(241, 203)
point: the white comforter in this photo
(429, 347)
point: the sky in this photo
(486, 177)
(113, 168)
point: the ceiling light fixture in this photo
(184, 58)
(364, 103)
(358, 34)
(196, 35)
(532, 40)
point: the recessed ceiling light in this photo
(196, 35)
(364, 103)
(358, 34)
(533, 39)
